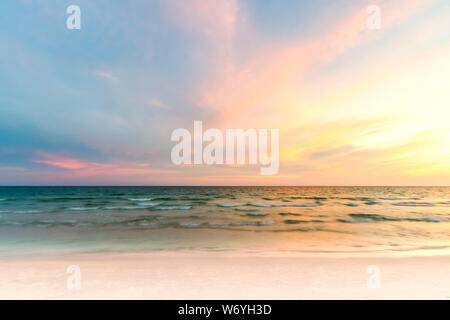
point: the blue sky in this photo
(109, 95)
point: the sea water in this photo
(290, 220)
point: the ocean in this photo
(248, 220)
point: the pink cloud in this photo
(80, 168)
(68, 163)
(256, 88)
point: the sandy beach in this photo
(221, 275)
(225, 150)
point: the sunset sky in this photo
(97, 106)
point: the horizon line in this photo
(218, 186)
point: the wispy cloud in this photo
(69, 163)
(78, 168)
(153, 102)
(105, 75)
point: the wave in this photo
(309, 198)
(189, 225)
(368, 218)
(262, 223)
(139, 199)
(27, 211)
(302, 229)
(256, 223)
(161, 199)
(351, 204)
(371, 216)
(289, 214)
(228, 205)
(149, 204)
(284, 205)
(245, 210)
(433, 220)
(262, 205)
(413, 204)
(241, 224)
(302, 205)
(256, 214)
(218, 224)
(60, 199)
(421, 248)
(123, 208)
(142, 222)
(293, 221)
(173, 208)
(83, 208)
(355, 220)
(208, 224)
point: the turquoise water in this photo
(254, 219)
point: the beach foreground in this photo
(221, 275)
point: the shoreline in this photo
(224, 275)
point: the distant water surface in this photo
(253, 219)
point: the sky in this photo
(97, 106)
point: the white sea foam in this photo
(263, 223)
(189, 225)
(149, 204)
(173, 208)
(83, 208)
(140, 199)
(27, 211)
(123, 208)
(217, 224)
